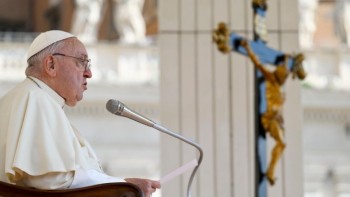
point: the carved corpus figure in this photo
(272, 119)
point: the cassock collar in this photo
(49, 90)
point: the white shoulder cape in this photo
(45, 141)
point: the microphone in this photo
(118, 108)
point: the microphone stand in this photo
(120, 109)
(200, 158)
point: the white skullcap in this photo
(46, 39)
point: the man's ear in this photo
(50, 66)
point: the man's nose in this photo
(88, 73)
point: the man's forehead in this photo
(75, 46)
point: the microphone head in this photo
(115, 107)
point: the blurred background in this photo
(324, 30)
(121, 38)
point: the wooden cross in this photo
(268, 88)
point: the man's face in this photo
(71, 73)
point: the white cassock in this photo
(38, 145)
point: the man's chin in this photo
(71, 103)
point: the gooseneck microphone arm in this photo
(118, 108)
(200, 158)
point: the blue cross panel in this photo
(266, 54)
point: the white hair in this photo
(36, 60)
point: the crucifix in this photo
(269, 88)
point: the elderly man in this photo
(38, 146)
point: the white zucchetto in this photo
(45, 39)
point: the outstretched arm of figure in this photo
(255, 60)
